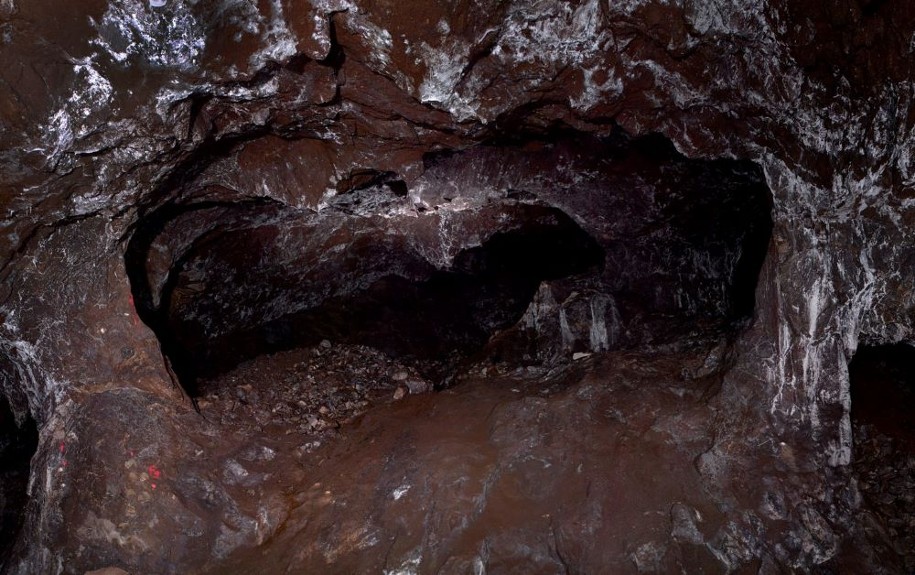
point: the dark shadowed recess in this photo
(728, 209)
(375, 291)
(882, 382)
(883, 392)
(673, 241)
(431, 314)
(684, 239)
(17, 446)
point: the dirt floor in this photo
(589, 466)
(338, 459)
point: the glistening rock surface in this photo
(186, 184)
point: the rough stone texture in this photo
(140, 144)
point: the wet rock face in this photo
(631, 246)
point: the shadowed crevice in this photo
(17, 446)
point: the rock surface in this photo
(712, 199)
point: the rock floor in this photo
(339, 459)
(588, 467)
(885, 469)
(308, 392)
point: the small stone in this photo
(580, 355)
(399, 393)
(325, 344)
(683, 524)
(400, 376)
(323, 410)
(417, 386)
(647, 557)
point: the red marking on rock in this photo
(136, 319)
(153, 472)
(153, 485)
(63, 447)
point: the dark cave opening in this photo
(377, 292)
(665, 247)
(685, 239)
(17, 446)
(882, 385)
(882, 381)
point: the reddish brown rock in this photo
(707, 204)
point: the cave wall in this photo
(111, 111)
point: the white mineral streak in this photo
(378, 39)
(277, 41)
(568, 338)
(595, 93)
(39, 384)
(683, 93)
(321, 34)
(607, 317)
(245, 93)
(445, 68)
(725, 16)
(599, 338)
(169, 38)
(819, 332)
(838, 449)
(409, 566)
(904, 159)
(541, 306)
(627, 7)
(448, 239)
(90, 93)
(59, 136)
(797, 383)
(558, 33)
